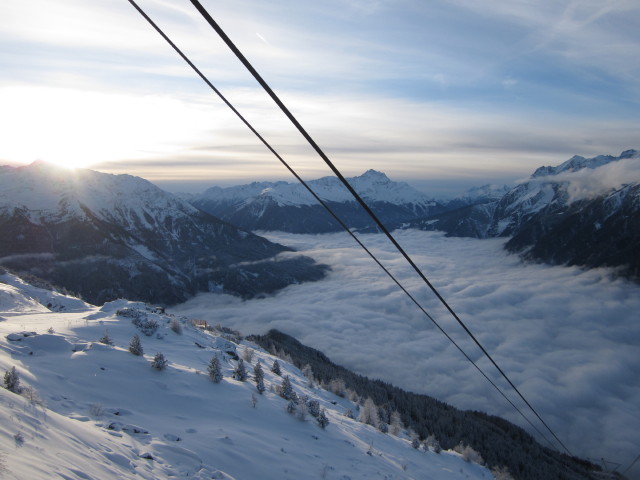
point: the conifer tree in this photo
(135, 346)
(159, 362)
(286, 389)
(314, 408)
(215, 373)
(276, 368)
(240, 373)
(106, 339)
(369, 413)
(322, 419)
(395, 423)
(12, 380)
(258, 375)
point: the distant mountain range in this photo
(584, 211)
(290, 207)
(110, 236)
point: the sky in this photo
(447, 93)
(568, 338)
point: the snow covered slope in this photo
(109, 236)
(290, 207)
(90, 410)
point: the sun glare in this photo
(73, 128)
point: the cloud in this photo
(568, 338)
(589, 183)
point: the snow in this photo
(19, 296)
(95, 411)
(372, 185)
(44, 191)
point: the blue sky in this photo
(444, 94)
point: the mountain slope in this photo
(94, 410)
(109, 236)
(498, 441)
(290, 207)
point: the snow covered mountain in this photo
(585, 211)
(86, 406)
(290, 207)
(110, 236)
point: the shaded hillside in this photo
(498, 441)
(117, 236)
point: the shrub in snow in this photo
(468, 454)
(348, 413)
(383, 427)
(501, 473)
(96, 410)
(12, 380)
(291, 407)
(433, 443)
(301, 410)
(415, 443)
(106, 339)
(146, 325)
(176, 326)
(240, 372)
(276, 368)
(135, 346)
(247, 354)
(215, 374)
(18, 438)
(258, 376)
(286, 389)
(159, 362)
(32, 396)
(338, 387)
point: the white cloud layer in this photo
(590, 183)
(567, 338)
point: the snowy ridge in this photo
(371, 185)
(47, 192)
(578, 162)
(18, 295)
(94, 410)
(576, 179)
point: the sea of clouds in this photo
(567, 338)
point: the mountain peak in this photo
(374, 175)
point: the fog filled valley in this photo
(567, 337)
